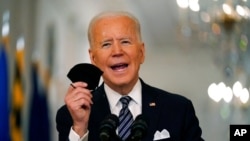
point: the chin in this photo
(119, 81)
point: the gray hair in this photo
(113, 14)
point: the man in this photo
(117, 49)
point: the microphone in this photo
(87, 73)
(138, 129)
(108, 127)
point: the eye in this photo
(105, 45)
(125, 42)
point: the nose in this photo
(117, 50)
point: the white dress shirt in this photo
(135, 106)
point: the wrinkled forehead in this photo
(105, 17)
(112, 23)
(113, 14)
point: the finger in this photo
(80, 84)
(85, 96)
(77, 85)
(85, 104)
(79, 104)
(78, 89)
(78, 93)
(84, 91)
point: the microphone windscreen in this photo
(87, 73)
(112, 120)
(108, 127)
(139, 128)
(140, 122)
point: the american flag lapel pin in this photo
(152, 104)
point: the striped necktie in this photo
(125, 118)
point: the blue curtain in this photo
(39, 129)
(4, 96)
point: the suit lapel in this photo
(101, 105)
(99, 111)
(150, 108)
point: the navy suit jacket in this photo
(172, 112)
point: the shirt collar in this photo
(114, 97)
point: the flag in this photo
(39, 129)
(17, 99)
(4, 95)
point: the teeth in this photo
(118, 67)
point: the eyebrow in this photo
(107, 40)
(125, 38)
(111, 39)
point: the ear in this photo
(142, 52)
(92, 56)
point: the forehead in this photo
(113, 26)
(114, 22)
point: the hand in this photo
(78, 100)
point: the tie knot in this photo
(125, 100)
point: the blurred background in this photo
(197, 48)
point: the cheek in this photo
(139, 57)
(100, 59)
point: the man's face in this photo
(117, 50)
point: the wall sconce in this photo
(218, 92)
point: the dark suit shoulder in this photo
(174, 113)
(163, 94)
(98, 92)
(63, 113)
(63, 122)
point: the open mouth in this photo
(119, 67)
